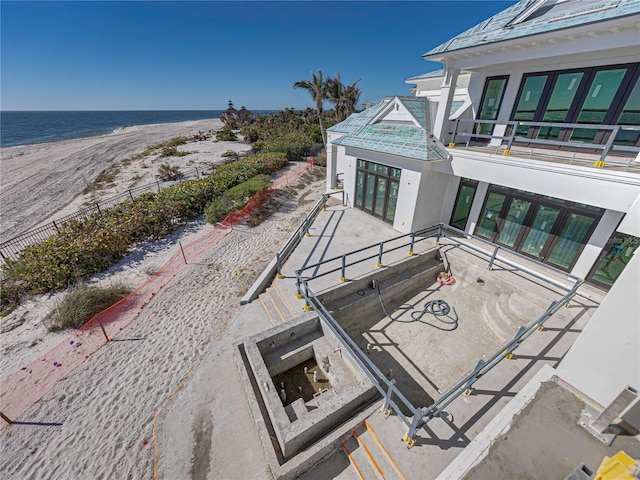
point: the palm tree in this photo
(345, 98)
(317, 88)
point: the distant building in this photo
(237, 118)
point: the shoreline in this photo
(102, 128)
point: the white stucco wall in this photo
(431, 198)
(606, 356)
(631, 222)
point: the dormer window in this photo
(555, 10)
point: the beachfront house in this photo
(527, 137)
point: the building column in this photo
(598, 240)
(441, 123)
(476, 207)
(332, 165)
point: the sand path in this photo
(98, 421)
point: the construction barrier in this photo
(22, 389)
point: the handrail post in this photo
(609, 144)
(379, 264)
(439, 234)
(278, 266)
(455, 132)
(413, 240)
(493, 257)
(409, 436)
(514, 126)
(343, 276)
(386, 408)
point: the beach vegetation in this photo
(172, 152)
(229, 153)
(83, 303)
(235, 198)
(90, 245)
(168, 172)
(226, 135)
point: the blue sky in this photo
(197, 55)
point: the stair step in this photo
(359, 460)
(284, 307)
(270, 309)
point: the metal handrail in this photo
(514, 124)
(421, 416)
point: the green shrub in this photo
(226, 134)
(217, 210)
(229, 153)
(235, 198)
(82, 303)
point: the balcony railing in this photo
(514, 135)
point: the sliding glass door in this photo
(547, 229)
(377, 189)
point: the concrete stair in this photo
(369, 457)
(277, 308)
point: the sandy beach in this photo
(97, 422)
(42, 182)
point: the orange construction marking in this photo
(353, 462)
(368, 452)
(391, 459)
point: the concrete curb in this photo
(261, 283)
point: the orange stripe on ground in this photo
(368, 452)
(264, 305)
(352, 460)
(377, 439)
(275, 304)
(283, 299)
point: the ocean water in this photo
(23, 128)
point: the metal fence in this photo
(11, 248)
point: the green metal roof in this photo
(402, 140)
(358, 120)
(417, 106)
(549, 16)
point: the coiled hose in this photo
(438, 308)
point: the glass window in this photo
(543, 221)
(512, 224)
(572, 237)
(395, 172)
(381, 192)
(564, 91)
(489, 217)
(359, 188)
(494, 89)
(630, 116)
(370, 190)
(597, 103)
(393, 199)
(622, 247)
(462, 207)
(529, 99)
